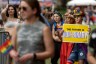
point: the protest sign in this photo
(75, 33)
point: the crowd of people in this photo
(37, 36)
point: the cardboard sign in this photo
(75, 33)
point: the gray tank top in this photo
(30, 40)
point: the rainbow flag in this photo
(6, 47)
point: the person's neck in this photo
(31, 20)
(58, 22)
(11, 16)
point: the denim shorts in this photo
(77, 54)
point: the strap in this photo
(55, 26)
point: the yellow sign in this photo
(75, 33)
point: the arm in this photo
(91, 58)
(13, 53)
(61, 32)
(3, 13)
(54, 35)
(12, 32)
(87, 18)
(49, 46)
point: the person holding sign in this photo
(56, 36)
(66, 46)
(79, 50)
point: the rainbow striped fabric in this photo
(6, 47)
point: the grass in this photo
(48, 61)
(93, 27)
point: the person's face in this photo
(78, 19)
(57, 18)
(25, 10)
(11, 11)
(69, 20)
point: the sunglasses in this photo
(23, 8)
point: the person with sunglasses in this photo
(9, 16)
(79, 50)
(43, 17)
(33, 36)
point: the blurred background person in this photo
(91, 56)
(56, 36)
(66, 47)
(79, 50)
(51, 20)
(34, 39)
(9, 16)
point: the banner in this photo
(75, 33)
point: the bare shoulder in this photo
(46, 28)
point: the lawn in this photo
(48, 61)
(93, 27)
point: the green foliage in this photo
(61, 9)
